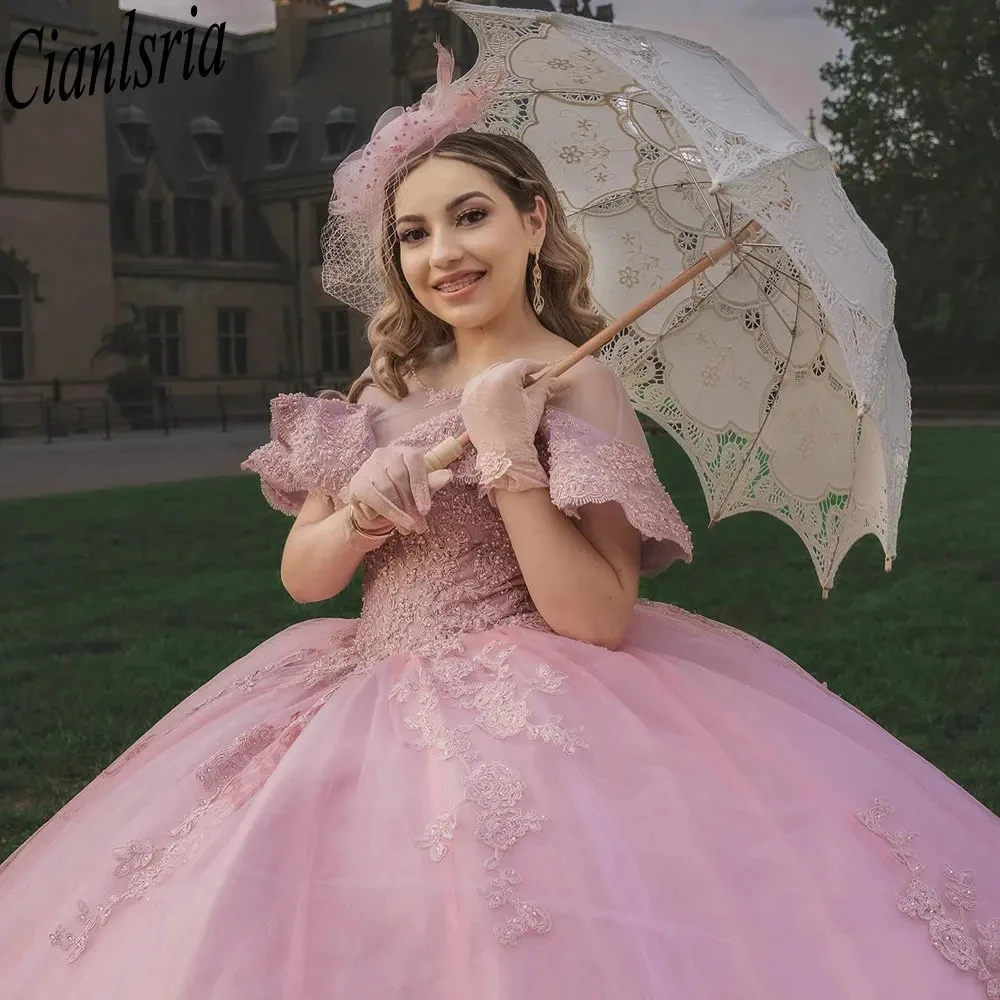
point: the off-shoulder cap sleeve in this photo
(316, 444)
(596, 452)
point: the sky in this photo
(779, 44)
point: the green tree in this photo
(133, 388)
(916, 125)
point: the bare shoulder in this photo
(552, 348)
(374, 395)
(587, 378)
(591, 390)
(592, 373)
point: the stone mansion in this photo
(194, 202)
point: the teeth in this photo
(455, 285)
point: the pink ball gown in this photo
(445, 800)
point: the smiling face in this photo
(463, 246)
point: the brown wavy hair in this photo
(402, 333)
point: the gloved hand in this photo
(394, 482)
(502, 418)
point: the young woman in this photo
(509, 777)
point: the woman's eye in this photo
(472, 215)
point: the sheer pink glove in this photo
(502, 417)
(394, 482)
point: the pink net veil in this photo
(355, 250)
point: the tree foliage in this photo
(915, 120)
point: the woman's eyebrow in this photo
(454, 203)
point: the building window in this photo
(335, 341)
(207, 136)
(232, 330)
(193, 227)
(125, 231)
(340, 126)
(138, 140)
(227, 231)
(163, 341)
(157, 236)
(11, 329)
(281, 138)
(135, 131)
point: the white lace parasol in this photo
(778, 370)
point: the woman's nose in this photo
(445, 248)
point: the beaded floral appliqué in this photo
(245, 684)
(485, 684)
(230, 777)
(922, 901)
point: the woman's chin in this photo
(465, 314)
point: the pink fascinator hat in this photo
(352, 238)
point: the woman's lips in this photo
(466, 285)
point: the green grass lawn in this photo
(118, 604)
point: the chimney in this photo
(292, 18)
(567, 6)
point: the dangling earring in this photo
(536, 274)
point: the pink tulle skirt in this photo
(690, 817)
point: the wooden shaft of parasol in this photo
(600, 339)
(609, 332)
(450, 449)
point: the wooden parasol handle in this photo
(450, 449)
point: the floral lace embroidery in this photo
(131, 753)
(513, 472)
(584, 469)
(485, 684)
(226, 763)
(922, 901)
(436, 394)
(232, 776)
(316, 444)
(491, 466)
(245, 683)
(460, 576)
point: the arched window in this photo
(207, 135)
(12, 329)
(340, 126)
(136, 132)
(281, 139)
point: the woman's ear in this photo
(537, 220)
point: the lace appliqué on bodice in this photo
(460, 576)
(923, 901)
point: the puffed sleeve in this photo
(316, 444)
(595, 451)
